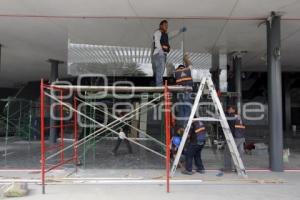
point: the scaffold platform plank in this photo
(122, 88)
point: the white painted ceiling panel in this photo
(261, 8)
(29, 41)
(179, 8)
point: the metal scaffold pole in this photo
(42, 116)
(61, 126)
(84, 136)
(20, 118)
(6, 131)
(75, 118)
(92, 130)
(30, 121)
(167, 132)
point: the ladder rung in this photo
(207, 119)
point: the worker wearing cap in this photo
(196, 142)
(161, 48)
(183, 77)
(238, 132)
(237, 128)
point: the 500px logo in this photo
(252, 111)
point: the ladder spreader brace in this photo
(238, 163)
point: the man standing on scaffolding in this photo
(161, 48)
(183, 76)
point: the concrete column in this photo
(287, 105)
(230, 73)
(0, 55)
(54, 69)
(238, 82)
(143, 115)
(215, 69)
(215, 72)
(275, 93)
(135, 123)
(53, 78)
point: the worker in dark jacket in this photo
(238, 132)
(161, 48)
(196, 142)
(183, 77)
(237, 128)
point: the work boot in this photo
(201, 171)
(187, 172)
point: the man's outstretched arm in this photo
(174, 34)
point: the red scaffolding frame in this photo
(60, 146)
(167, 131)
(61, 126)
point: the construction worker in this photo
(174, 148)
(196, 142)
(176, 140)
(183, 77)
(161, 48)
(238, 132)
(123, 134)
(239, 135)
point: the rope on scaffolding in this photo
(101, 131)
(106, 136)
(96, 133)
(118, 119)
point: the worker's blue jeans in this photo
(158, 65)
(194, 153)
(184, 108)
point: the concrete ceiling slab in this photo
(30, 40)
